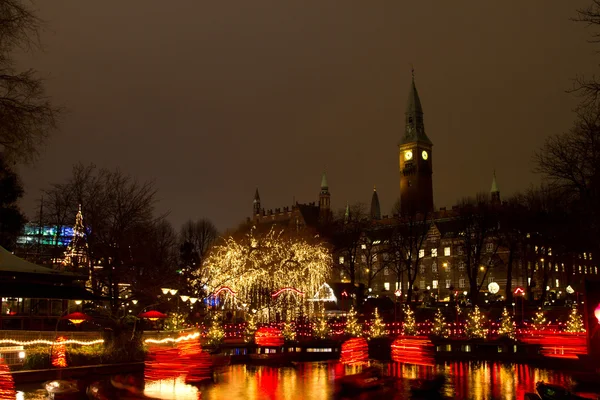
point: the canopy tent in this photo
(9, 263)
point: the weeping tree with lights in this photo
(409, 328)
(539, 321)
(575, 322)
(377, 328)
(250, 328)
(440, 328)
(289, 330)
(353, 327)
(257, 265)
(474, 327)
(507, 325)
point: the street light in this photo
(193, 300)
(173, 292)
(184, 298)
(165, 290)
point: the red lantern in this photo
(77, 317)
(597, 312)
(153, 315)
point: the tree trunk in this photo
(509, 267)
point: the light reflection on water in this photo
(315, 381)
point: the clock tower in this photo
(416, 168)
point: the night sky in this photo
(212, 99)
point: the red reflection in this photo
(417, 350)
(7, 384)
(559, 345)
(355, 351)
(198, 363)
(59, 356)
(163, 363)
(268, 337)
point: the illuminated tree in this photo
(257, 265)
(353, 327)
(321, 327)
(440, 327)
(216, 333)
(410, 326)
(377, 328)
(474, 327)
(539, 321)
(507, 325)
(289, 330)
(575, 322)
(250, 329)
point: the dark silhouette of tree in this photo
(347, 239)
(11, 218)
(589, 87)
(479, 235)
(26, 115)
(196, 239)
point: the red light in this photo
(287, 289)
(418, 350)
(597, 312)
(519, 290)
(268, 337)
(225, 288)
(355, 351)
(59, 356)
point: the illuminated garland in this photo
(287, 289)
(49, 342)
(321, 328)
(215, 333)
(289, 331)
(250, 329)
(191, 336)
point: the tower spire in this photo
(415, 128)
(256, 203)
(494, 191)
(375, 208)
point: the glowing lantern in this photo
(570, 290)
(184, 298)
(493, 287)
(77, 317)
(597, 313)
(152, 315)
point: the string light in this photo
(474, 328)
(250, 329)
(575, 322)
(59, 356)
(377, 328)
(507, 325)
(215, 333)
(409, 328)
(440, 328)
(289, 331)
(539, 321)
(191, 336)
(321, 328)
(353, 327)
(49, 342)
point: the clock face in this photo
(424, 155)
(408, 155)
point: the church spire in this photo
(256, 203)
(324, 185)
(375, 208)
(324, 199)
(415, 128)
(494, 191)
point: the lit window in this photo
(363, 246)
(386, 285)
(386, 271)
(461, 266)
(596, 270)
(557, 283)
(434, 267)
(341, 260)
(556, 267)
(434, 284)
(461, 283)
(448, 283)
(433, 252)
(460, 251)
(489, 247)
(490, 279)
(446, 251)
(580, 269)
(422, 285)
(421, 253)
(585, 256)
(536, 249)
(422, 269)
(549, 251)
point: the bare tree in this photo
(480, 242)
(26, 115)
(196, 239)
(371, 253)
(589, 87)
(347, 240)
(405, 244)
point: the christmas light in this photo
(377, 328)
(440, 328)
(409, 327)
(287, 289)
(507, 325)
(224, 289)
(250, 329)
(321, 328)
(49, 342)
(575, 322)
(268, 337)
(59, 357)
(539, 321)
(353, 327)
(216, 333)
(289, 331)
(474, 328)
(189, 337)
